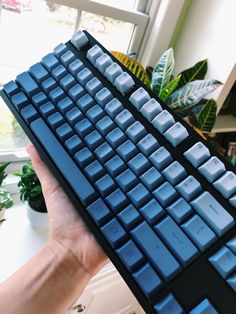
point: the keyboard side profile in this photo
(159, 200)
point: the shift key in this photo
(158, 254)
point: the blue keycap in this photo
(165, 194)
(74, 115)
(39, 99)
(76, 92)
(67, 58)
(189, 188)
(114, 233)
(224, 262)
(213, 213)
(152, 178)
(148, 280)
(136, 132)
(232, 201)
(103, 62)
(55, 120)
(205, 307)
(124, 83)
(83, 157)
(75, 67)
(93, 86)
(29, 86)
(124, 119)
(116, 137)
(163, 121)
(126, 180)
(65, 104)
(176, 134)
(47, 109)
(139, 164)
(83, 127)
(139, 195)
(19, 100)
(127, 150)
(169, 305)
(232, 245)
(59, 72)
(139, 98)
(115, 166)
(93, 53)
(112, 72)
(130, 255)
(48, 85)
(29, 114)
(105, 125)
(99, 212)
(50, 61)
(232, 282)
(151, 109)
(59, 50)
(152, 211)
(95, 113)
(177, 241)
(79, 40)
(84, 190)
(74, 144)
(84, 76)
(104, 152)
(113, 108)
(148, 145)
(11, 88)
(212, 169)
(129, 217)
(95, 171)
(105, 185)
(159, 255)
(67, 82)
(56, 94)
(197, 154)
(161, 158)
(38, 72)
(85, 103)
(180, 210)
(64, 132)
(174, 173)
(93, 139)
(117, 200)
(199, 232)
(226, 184)
(103, 97)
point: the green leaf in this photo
(169, 88)
(134, 66)
(197, 72)
(207, 116)
(2, 171)
(191, 94)
(162, 72)
(193, 119)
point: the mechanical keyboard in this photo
(157, 197)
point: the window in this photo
(29, 29)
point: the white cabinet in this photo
(106, 293)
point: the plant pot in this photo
(37, 220)
(2, 214)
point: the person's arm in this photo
(54, 278)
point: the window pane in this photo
(113, 34)
(123, 4)
(11, 134)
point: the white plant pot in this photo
(2, 213)
(36, 219)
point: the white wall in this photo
(209, 32)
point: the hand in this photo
(66, 227)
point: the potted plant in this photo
(5, 197)
(31, 192)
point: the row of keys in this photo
(224, 261)
(213, 170)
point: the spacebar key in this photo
(72, 174)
